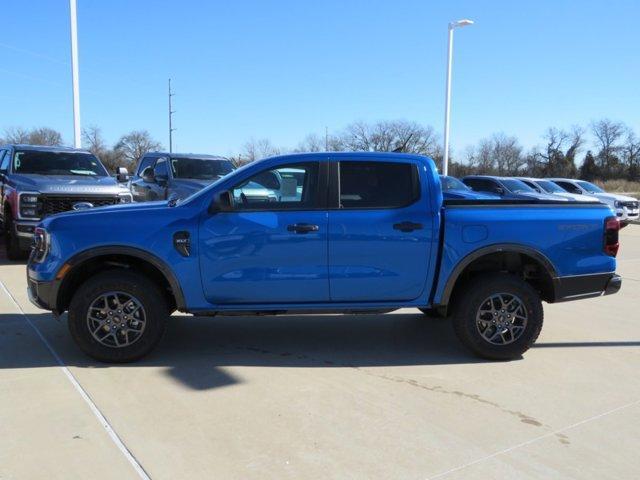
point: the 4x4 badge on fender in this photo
(182, 243)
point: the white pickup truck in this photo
(626, 208)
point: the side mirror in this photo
(148, 176)
(500, 190)
(160, 174)
(122, 175)
(579, 192)
(222, 202)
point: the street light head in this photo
(461, 23)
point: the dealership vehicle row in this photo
(37, 181)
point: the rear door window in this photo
(378, 184)
(569, 187)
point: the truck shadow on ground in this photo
(196, 350)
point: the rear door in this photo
(380, 233)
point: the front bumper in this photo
(626, 213)
(24, 232)
(577, 287)
(43, 294)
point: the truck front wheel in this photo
(117, 316)
(11, 241)
(498, 316)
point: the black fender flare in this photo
(81, 257)
(488, 250)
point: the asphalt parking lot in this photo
(347, 397)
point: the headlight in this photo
(617, 204)
(125, 198)
(29, 206)
(41, 243)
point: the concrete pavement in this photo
(387, 397)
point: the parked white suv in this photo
(547, 186)
(626, 208)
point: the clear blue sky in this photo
(283, 69)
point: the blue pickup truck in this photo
(358, 232)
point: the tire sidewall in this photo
(11, 241)
(136, 285)
(479, 290)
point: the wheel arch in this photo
(508, 258)
(83, 264)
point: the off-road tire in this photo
(131, 283)
(11, 241)
(470, 298)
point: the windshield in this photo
(452, 183)
(549, 186)
(589, 187)
(57, 163)
(516, 186)
(200, 168)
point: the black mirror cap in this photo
(222, 202)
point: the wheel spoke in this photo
(501, 318)
(110, 309)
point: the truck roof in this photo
(366, 155)
(44, 148)
(202, 156)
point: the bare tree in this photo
(608, 136)
(499, 154)
(16, 135)
(311, 143)
(257, 149)
(35, 136)
(558, 157)
(388, 136)
(93, 140)
(631, 155)
(132, 146)
(45, 136)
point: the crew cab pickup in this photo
(161, 175)
(364, 232)
(36, 181)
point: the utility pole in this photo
(75, 80)
(171, 112)
(326, 139)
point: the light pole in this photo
(447, 104)
(77, 134)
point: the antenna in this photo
(171, 112)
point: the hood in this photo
(614, 196)
(534, 196)
(123, 207)
(468, 194)
(577, 197)
(73, 184)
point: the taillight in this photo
(611, 229)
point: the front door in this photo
(272, 248)
(381, 234)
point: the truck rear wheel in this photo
(498, 316)
(117, 316)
